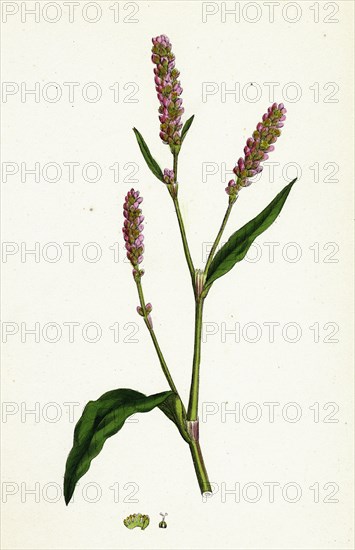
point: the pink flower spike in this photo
(168, 90)
(132, 231)
(257, 147)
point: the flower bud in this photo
(169, 176)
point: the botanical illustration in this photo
(105, 416)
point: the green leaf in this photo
(186, 127)
(239, 243)
(100, 420)
(151, 162)
(174, 409)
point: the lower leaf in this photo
(100, 420)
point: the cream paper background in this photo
(148, 456)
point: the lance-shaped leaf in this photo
(100, 420)
(239, 243)
(186, 127)
(151, 162)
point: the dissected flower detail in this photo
(137, 520)
(257, 148)
(133, 230)
(168, 90)
(162, 523)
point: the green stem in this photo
(219, 235)
(200, 468)
(184, 240)
(192, 412)
(163, 364)
(175, 167)
(181, 222)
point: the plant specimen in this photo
(105, 417)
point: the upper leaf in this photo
(239, 243)
(100, 420)
(186, 127)
(151, 162)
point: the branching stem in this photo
(192, 412)
(149, 326)
(181, 225)
(219, 235)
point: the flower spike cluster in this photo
(257, 148)
(133, 230)
(168, 90)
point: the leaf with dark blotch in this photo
(174, 409)
(186, 127)
(151, 162)
(100, 420)
(239, 243)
